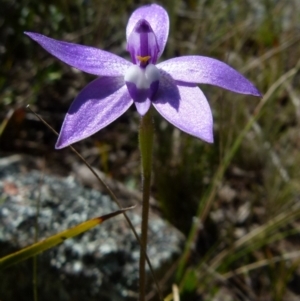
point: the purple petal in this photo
(138, 95)
(186, 107)
(158, 19)
(142, 44)
(84, 58)
(205, 70)
(97, 105)
(143, 107)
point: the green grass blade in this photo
(54, 240)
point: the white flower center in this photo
(142, 77)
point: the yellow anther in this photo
(143, 59)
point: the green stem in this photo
(146, 144)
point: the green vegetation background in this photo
(236, 200)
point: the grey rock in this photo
(101, 264)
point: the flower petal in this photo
(84, 58)
(143, 107)
(185, 106)
(205, 70)
(97, 105)
(158, 19)
(142, 44)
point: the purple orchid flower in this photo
(171, 86)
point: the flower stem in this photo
(146, 144)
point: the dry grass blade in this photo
(261, 231)
(261, 263)
(258, 61)
(274, 156)
(294, 98)
(175, 292)
(206, 202)
(54, 240)
(204, 209)
(220, 278)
